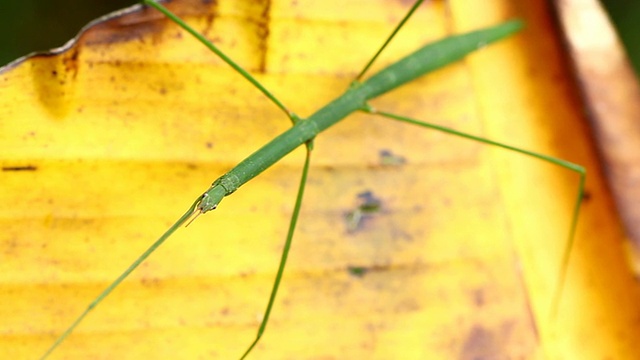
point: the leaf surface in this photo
(105, 144)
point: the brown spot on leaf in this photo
(20, 168)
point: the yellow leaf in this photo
(105, 144)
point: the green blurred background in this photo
(31, 25)
(626, 17)
(34, 25)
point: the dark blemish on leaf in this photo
(70, 62)
(19, 168)
(209, 24)
(587, 196)
(369, 204)
(150, 282)
(357, 271)
(30, 134)
(361, 271)
(246, 274)
(263, 35)
(479, 297)
(208, 144)
(480, 344)
(387, 158)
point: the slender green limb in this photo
(285, 251)
(582, 172)
(566, 255)
(220, 54)
(123, 276)
(393, 34)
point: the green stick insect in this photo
(369, 203)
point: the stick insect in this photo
(368, 271)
